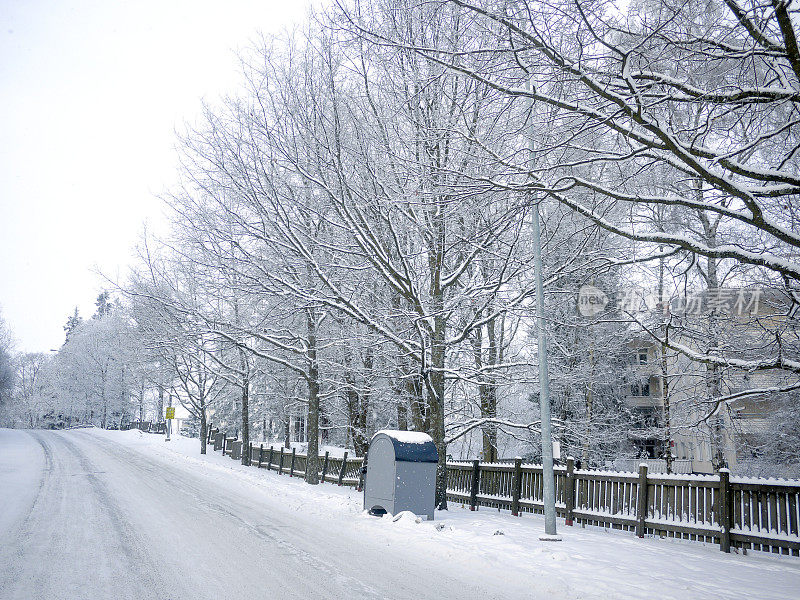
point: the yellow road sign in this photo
(170, 412)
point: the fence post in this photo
(260, 454)
(210, 427)
(473, 490)
(280, 465)
(269, 463)
(324, 467)
(569, 490)
(724, 510)
(344, 468)
(291, 468)
(224, 440)
(641, 501)
(517, 487)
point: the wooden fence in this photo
(654, 465)
(341, 470)
(146, 426)
(733, 512)
(751, 514)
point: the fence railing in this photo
(751, 514)
(146, 426)
(682, 466)
(341, 470)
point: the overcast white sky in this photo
(91, 94)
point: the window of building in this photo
(640, 388)
(300, 429)
(642, 357)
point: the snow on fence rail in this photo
(754, 514)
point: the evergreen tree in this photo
(104, 305)
(73, 322)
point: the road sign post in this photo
(170, 415)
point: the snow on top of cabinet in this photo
(407, 437)
(409, 446)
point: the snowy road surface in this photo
(93, 514)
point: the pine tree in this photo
(73, 322)
(104, 305)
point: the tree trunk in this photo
(203, 429)
(160, 407)
(245, 367)
(665, 370)
(435, 381)
(103, 397)
(436, 405)
(402, 415)
(713, 383)
(665, 391)
(419, 410)
(312, 454)
(352, 402)
(122, 406)
(589, 402)
(487, 389)
(141, 400)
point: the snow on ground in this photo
(588, 563)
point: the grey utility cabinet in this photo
(401, 473)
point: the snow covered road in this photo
(91, 519)
(95, 514)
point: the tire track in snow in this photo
(44, 480)
(129, 540)
(23, 531)
(73, 542)
(184, 484)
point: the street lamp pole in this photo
(548, 477)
